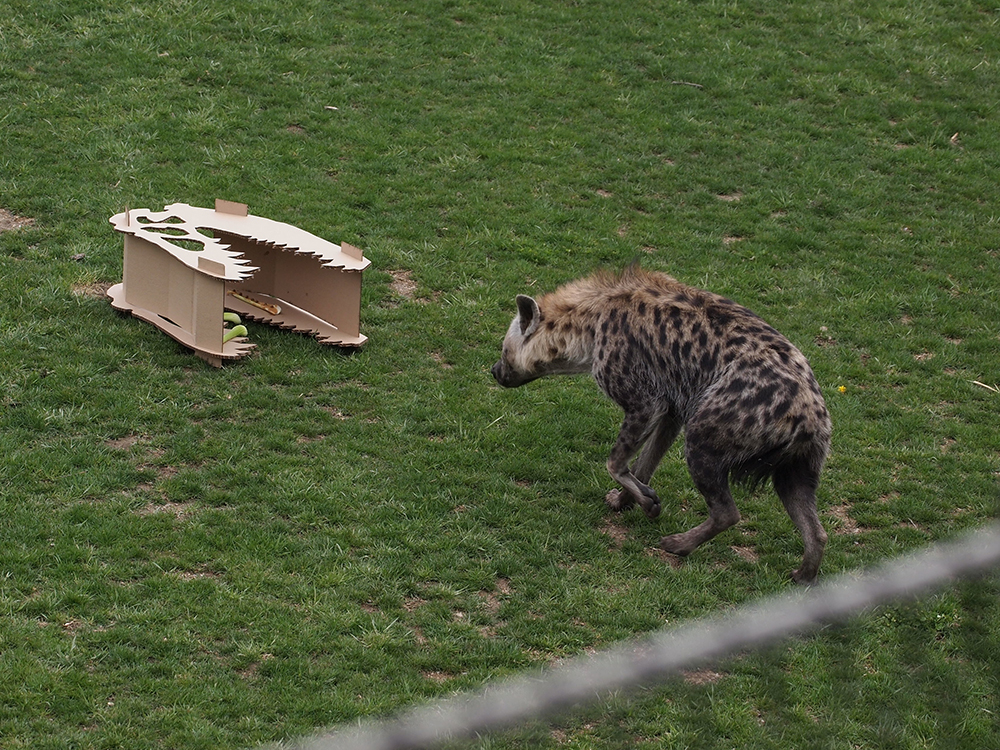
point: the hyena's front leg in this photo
(664, 434)
(633, 433)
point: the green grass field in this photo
(216, 558)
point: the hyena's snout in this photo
(508, 377)
(504, 375)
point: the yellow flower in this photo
(842, 388)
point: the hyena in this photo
(675, 357)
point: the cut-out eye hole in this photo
(180, 237)
(192, 245)
(168, 220)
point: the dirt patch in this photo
(437, 676)
(491, 602)
(162, 473)
(672, 560)
(403, 284)
(702, 677)
(615, 532)
(196, 575)
(166, 472)
(413, 603)
(746, 553)
(122, 443)
(94, 289)
(177, 510)
(730, 197)
(251, 670)
(10, 221)
(824, 338)
(440, 359)
(418, 635)
(847, 525)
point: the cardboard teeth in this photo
(185, 266)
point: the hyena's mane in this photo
(592, 294)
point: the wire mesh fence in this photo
(666, 653)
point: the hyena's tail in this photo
(805, 461)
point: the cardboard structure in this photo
(185, 266)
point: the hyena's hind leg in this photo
(712, 481)
(796, 484)
(635, 430)
(665, 432)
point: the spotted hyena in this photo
(674, 357)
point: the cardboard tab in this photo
(211, 266)
(351, 251)
(229, 207)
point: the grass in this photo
(195, 558)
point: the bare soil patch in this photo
(615, 532)
(93, 289)
(702, 677)
(11, 221)
(177, 510)
(847, 524)
(403, 284)
(672, 560)
(749, 554)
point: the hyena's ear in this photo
(527, 314)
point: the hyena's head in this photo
(531, 350)
(517, 365)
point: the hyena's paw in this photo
(678, 544)
(804, 577)
(619, 500)
(650, 502)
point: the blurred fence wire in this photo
(667, 652)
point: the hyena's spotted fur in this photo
(675, 357)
